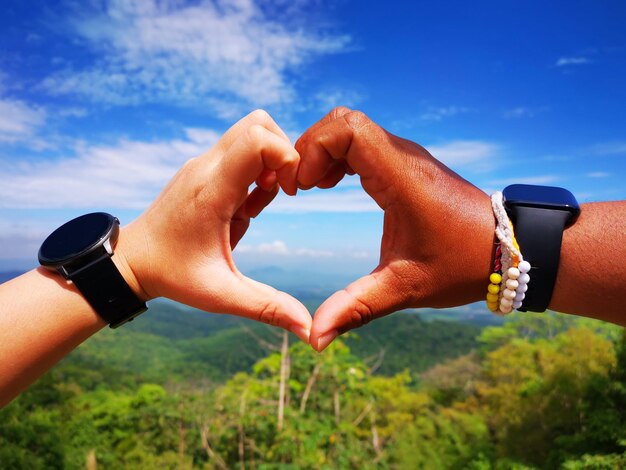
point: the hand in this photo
(181, 246)
(438, 229)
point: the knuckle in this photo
(365, 312)
(256, 134)
(361, 314)
(269, 314)
(189, 164)
(356, 119)
(260, 116)
(302, 145)
(292, 157)
(339, 111)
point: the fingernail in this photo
(324, 340)
(301, 332)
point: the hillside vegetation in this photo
(539, 391)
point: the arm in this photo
(43, 318)
(438, 233)
(180, 248)
(592, 270)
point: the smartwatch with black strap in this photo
(539, 215)
(81, 252)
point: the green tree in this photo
(532, 393)
(30, 428)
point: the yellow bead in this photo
(492, 297)
(493, 289)
(495, 278)
(493, 306)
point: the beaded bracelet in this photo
(495, 278)
(510, 278)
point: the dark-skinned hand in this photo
(438, 228)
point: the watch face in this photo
(77, 238)
(549, 197)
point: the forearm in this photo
(592, 272)
(180, 248)
(43, 318)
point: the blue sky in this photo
(101, 102)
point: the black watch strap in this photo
(542, 249)
(107, 292)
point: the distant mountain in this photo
(171, 342)
(475, 314)
(303, 282)
(313, 287)
(8, 275)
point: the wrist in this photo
(127, 257)
(483, 244)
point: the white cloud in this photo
(19, 121)
(610, 148)
(21, 239)
(557, 158)
(128, 174)
(565, 61)
(523, 112)
(74, 112)
(327, 100)
(492, 186)
(475, 154)
(279, 247)
(353, 199)
(598, 174)
(224, 54)
(537, 179)
(439, 113)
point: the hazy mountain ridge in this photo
(172, 342)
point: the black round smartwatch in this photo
(81, 252)
(539, 215)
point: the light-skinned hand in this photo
(181, 246)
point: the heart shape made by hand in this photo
(429, 212)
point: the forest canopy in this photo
(539, 391)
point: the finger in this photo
(245, 297)
(267, 179)
(257, 117)
(353, 137)
(314, 167)
(331, 116)
(258, 200)
(333, 176)
(256, 150)
(321, 145)
(310, 172)
(367, 148)
(238, 226)
(367, 298)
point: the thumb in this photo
(367, 298)
(245, 297)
